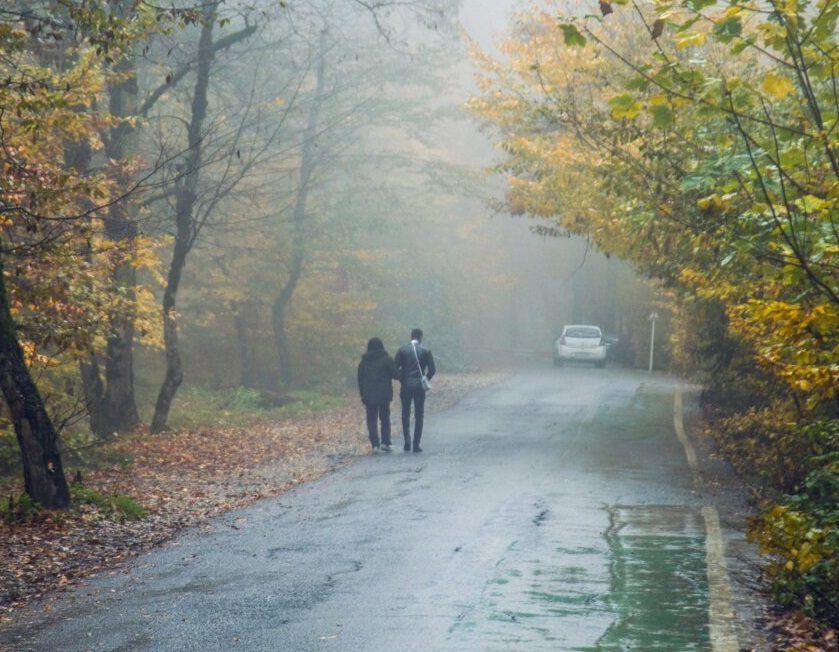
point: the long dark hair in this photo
(375, 344)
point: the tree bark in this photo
(94, 393)
(186, 228)
(278, 321)
(281, 304)
(117, 410)
(43, 473)
(246, 321)
(119, 404)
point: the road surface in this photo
(564, 509)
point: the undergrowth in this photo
(83, 500)
(199, 408)
(192, 409)
(798, 534)
(793, 466)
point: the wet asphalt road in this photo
(560, 510)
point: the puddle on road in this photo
(640, 585)
(659, 580)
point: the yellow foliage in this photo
(777, 86)
(67, 292)
(797, 342)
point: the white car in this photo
(580, 343)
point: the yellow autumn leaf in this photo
(724, 141)
(811, 204)
(690, 39)
(777, 86)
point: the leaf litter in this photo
(181, 479)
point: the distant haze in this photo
(484, 19)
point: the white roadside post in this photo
(653, 317)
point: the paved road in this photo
(565, 509)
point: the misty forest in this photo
(208, 208)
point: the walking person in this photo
(416, 365)
(376, 373)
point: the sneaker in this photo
(375, 449)
(387, 448)
(417, 449)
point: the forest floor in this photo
(183, 478)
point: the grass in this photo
(110, 506)
(117, 506)
(199, 408)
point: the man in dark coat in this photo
(414, 361)
(376, 373)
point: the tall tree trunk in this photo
(94, 393)
(119, 407)
(43, 473)
(278, 321)
(186, 227)
(279, 310)
(246, 321)
(174, 375)
(78, 155)
(117, 411)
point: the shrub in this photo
(799, 536)
(109, 505)
(22, 508)
(242, 399)
(9, 449)
(768, 447)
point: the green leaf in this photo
(728, 29)
(638, 83)
(699, 5)
(572, 35)
(695, 182)
(662, 116)
(624, 106)
(743, 44)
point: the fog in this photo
(344, 193)
(553, 280)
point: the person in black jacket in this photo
(414, 361)
(376, 373)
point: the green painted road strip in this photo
(720, 612)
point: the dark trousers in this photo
(376, 413)
(417, 398)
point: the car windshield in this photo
(583, 331)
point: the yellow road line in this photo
(721, 618)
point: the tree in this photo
(46, 206)
(320, 168)
(712, 154)
(765, 182)
(346, 120)
(705, 136)
(188, 221)
(299, 213)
